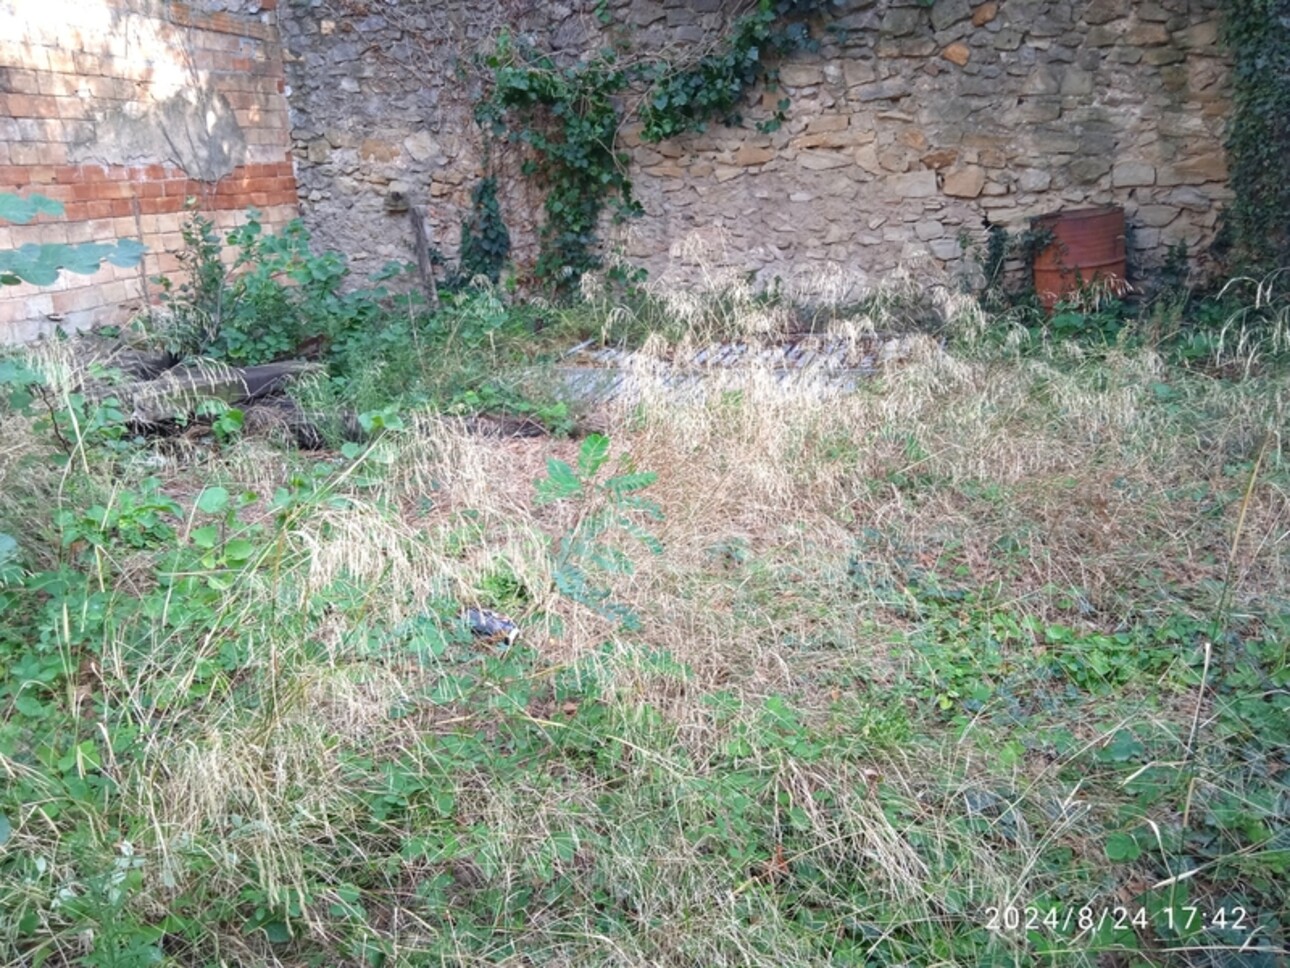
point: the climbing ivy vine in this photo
(1258, 142)
(685, 100)
(571, 116)
(485, 241)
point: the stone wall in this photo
(122, 110)
(908, 129)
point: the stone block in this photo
(857, 72)
(1197, 36)
(828, 122)
(1144, 238)
(1035, 110)
(423, 148)
(800, 75)
(1191, 198)
(985, 13)
(1156, 216)
(940, 158)
(1042, 80)
(1160, 56)
(822, 160)
(318, 152)
(899, 21)
(894, 159)
(1132, 174)
(749, 155)
(1102, 36)
(1077, 82)
(642, 13)
(957, 53)
(1207, 167)
(836, 233)
(1086, 171)
(1007, 39)
(866, 157)
(1104, 11)
(965, 182)
(1125, 55)
(946, 13)
(914, 184)
(846, 138)
(1146, 35)
(912, 138)
(928, 229)
(946, 249)
(992, 158)
(891, 90)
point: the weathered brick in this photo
(30, 106)
(152, 205)
(61, 61)
(74, 300)
(15, 80)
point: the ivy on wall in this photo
(571, 116)
(1258, 141)
(485, 241)
(685, 100)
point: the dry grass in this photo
(1096, 494)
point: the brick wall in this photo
(124, 110)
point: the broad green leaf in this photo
(29, 706)
(6, 830)
(238, 550)
(277, 932)
(594, 453)
(1122, 847)
(205, 537)
(560, 482)
(213, 500)
(18, 374)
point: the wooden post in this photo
(421, 236)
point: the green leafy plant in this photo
(1257, 33)
(714, 87)
(611, 504)
(274, 295)
(485, 241)
(569, 118)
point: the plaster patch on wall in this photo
(194, 129)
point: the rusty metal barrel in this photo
(1087, 245)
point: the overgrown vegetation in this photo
(983, 662)
(485, 240)
(1258, 34)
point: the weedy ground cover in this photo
(983, 663)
